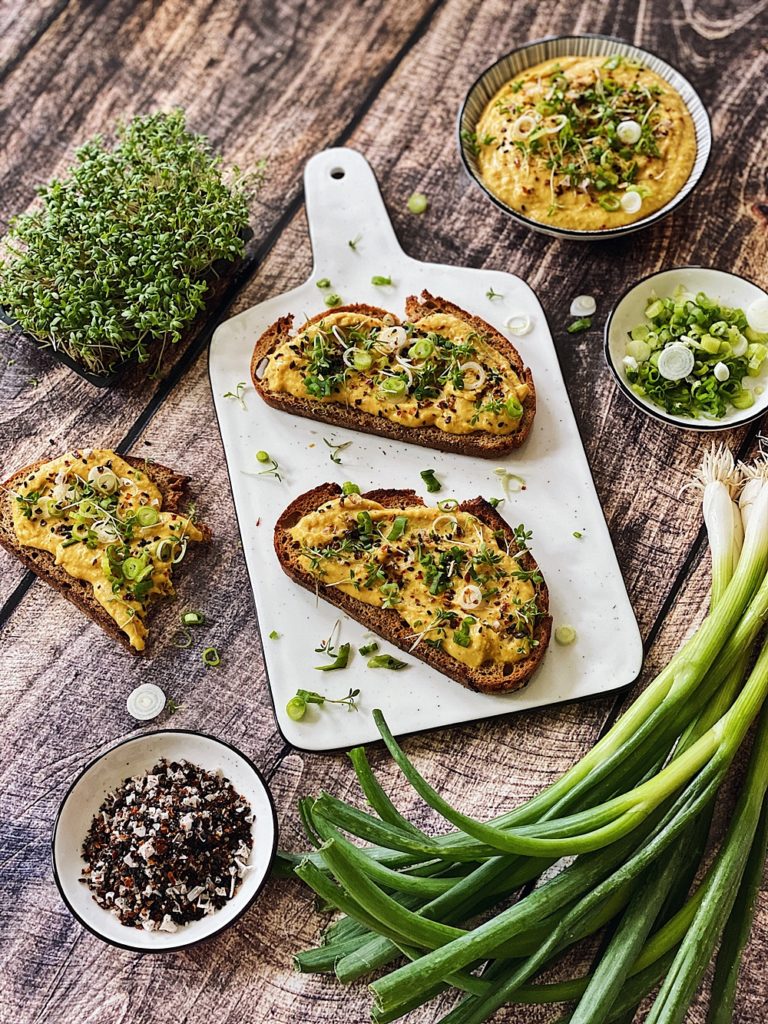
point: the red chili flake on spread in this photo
(168, 847)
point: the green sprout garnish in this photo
(381, 281)
(272, 465)
(172, 706)
(333, 300)
(354, 242)
(324, 282)
(296, 707)
(339, 655)
(349, 488)
(491, 294)
(370, 648)
(335, 449)
(238, 393)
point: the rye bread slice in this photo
(481, 443)
(385, 621)
(172, 486)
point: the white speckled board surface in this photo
(585, 584)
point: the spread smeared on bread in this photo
(453, 584)
(101, 520)
(443, 378)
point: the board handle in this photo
(344, 205)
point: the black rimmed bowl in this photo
(492, 79)
(722, 286)
(133, 757)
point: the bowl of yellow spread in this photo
(584, 137)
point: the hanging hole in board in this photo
(337, 172)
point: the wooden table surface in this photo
(282, 81)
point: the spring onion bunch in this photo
(478, 908)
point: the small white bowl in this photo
(727, 288)
(109, 770)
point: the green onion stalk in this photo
(634, 812)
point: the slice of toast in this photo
(386, 622)
(481, 443)
(172, 486)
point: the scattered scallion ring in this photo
(211, 657)
(147, 516)
(193, 618)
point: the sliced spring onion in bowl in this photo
(715, 376)
(757, 314)
(675, 361)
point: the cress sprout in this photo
(296, 707)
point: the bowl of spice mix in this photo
(164, 840)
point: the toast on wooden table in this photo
(456, 588)
(463, 388)
(114, 528)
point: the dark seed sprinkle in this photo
(168, 847)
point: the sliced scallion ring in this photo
(164, 549)
(145, 702)
(393, 387)
(676, 361)
(478, 375)
(757, 314)
(181, 552)
(133, 567)
(211, 657)
(453, 523)
(511, 482)
(102, 480)
(583, 305)
(629, 132)
(391, 338)
(631, 202)
(524, 124)
(565, 635)
(147, 516)
(421, 349)
(519, 324)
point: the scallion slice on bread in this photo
(105, 530)
(457, 589)
(442, 378)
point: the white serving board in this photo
(585, 584)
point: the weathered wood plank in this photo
(243, 76)
(245, 975)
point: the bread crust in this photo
(485, 445)
(385, 621)
(173, 487)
